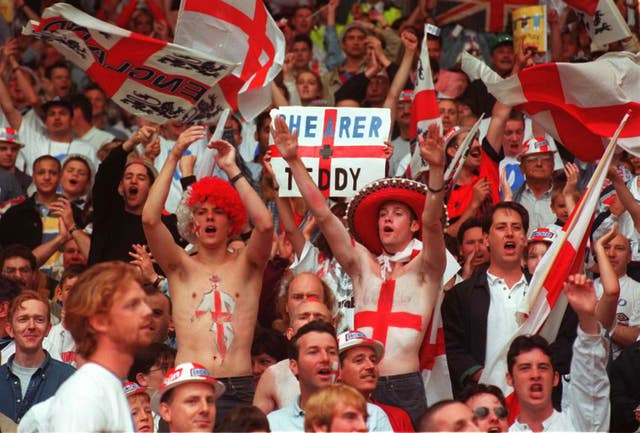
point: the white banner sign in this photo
(342, 148)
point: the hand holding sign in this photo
(285, 141)
(226, 156)
(185, 139)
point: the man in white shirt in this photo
(51, 136)
(110, 321)
(532, 375)
(627, 325)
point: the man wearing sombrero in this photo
(395, 282)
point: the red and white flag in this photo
(424, 108)
(433, 358)
(544, 306)
(244, 33)
(147, 77)
(579, 104)
(602, 19)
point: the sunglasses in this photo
(483, 412)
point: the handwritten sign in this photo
(342, 148)
(530, 24)
(607, 25)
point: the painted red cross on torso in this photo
(384, 318)
(218, 315)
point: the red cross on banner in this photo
(478, 15)
(243, 32)
(326, 145)
(384, 318)
(258, 42)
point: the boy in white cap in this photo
(140, 403)
(187, 398)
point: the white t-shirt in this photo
(91, 400)
(37, 143)
(628, 311)
(60, 345)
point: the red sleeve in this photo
(125, 15)
(489, 169)
(156, 11)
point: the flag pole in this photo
(604, 163)
(461, 154)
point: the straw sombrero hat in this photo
(363, 208)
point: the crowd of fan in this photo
(230, 287)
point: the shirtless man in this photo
(394, 301)
(215, 292)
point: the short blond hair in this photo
(94, 293)
(321, 406)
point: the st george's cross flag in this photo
(579, 104)
(478, 15)
(243, 33)
(543, 307)
(424, 108)
(153, 79)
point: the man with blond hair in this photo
(109, 320)
(30, 375)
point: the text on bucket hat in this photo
(188, 372)
(350, 339)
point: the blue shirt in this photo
(43, 384)
(291, 419)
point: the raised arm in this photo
(13, 115)
(626, 198)
(259, 245)
(608, 303)
(433, 253)
(336, 234)
(167, 253)
(284, 210)
(589, 387)
(410, 42)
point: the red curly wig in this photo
(221, 194)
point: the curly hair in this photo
(219, 193)
(94, 293)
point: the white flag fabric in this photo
(579, 104)
(424, 108)
(244, 33)
(147, 77)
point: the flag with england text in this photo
(147, 77)
(244, 33)
(543, 307)
(579, 104)
(424, 108)
(478, 15)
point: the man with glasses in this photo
(488, 405)
(536, 163)
(19, 265)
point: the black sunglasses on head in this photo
(483, 412)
